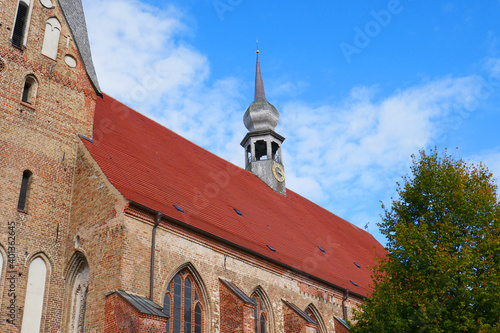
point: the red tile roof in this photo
(153, 166)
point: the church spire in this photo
(260, 115)
(262, 144)
(260, 94)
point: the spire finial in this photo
(260, 94)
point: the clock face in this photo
(278, 172)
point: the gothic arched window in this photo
(1, 264)
(184, 305)
(260, 315)
(21, 23)
(314, 314)
(29, 89)
(35, 290)
(78, 284)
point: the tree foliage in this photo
(442, 271)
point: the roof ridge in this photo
(308, 238)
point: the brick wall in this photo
(236, 316)
(294, 323)
(121, 317)
(97, 220)
(211, 261)
(340, 328)
(42, 138)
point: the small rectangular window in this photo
(21, 205)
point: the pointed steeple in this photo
(260, 94)
(260, 115)
(262, 144)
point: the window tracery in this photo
(182, 302)
(260, 315)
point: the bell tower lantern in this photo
(262, 144)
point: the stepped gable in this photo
(154, 167)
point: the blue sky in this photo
(360, 85)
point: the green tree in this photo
(442, 270)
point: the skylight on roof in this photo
(179, 208)
(321, 249)
(357, 265)
(238, 212)
(271, 248)
(354, 283)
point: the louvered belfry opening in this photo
(20, 25)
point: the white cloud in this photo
(490, 159)
(136, 49)
(493, 67)
(363, 143)
(286, 88)
(352, 151)
(142, 59)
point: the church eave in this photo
(138, 153)
(243, 249)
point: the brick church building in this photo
(110, 222)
